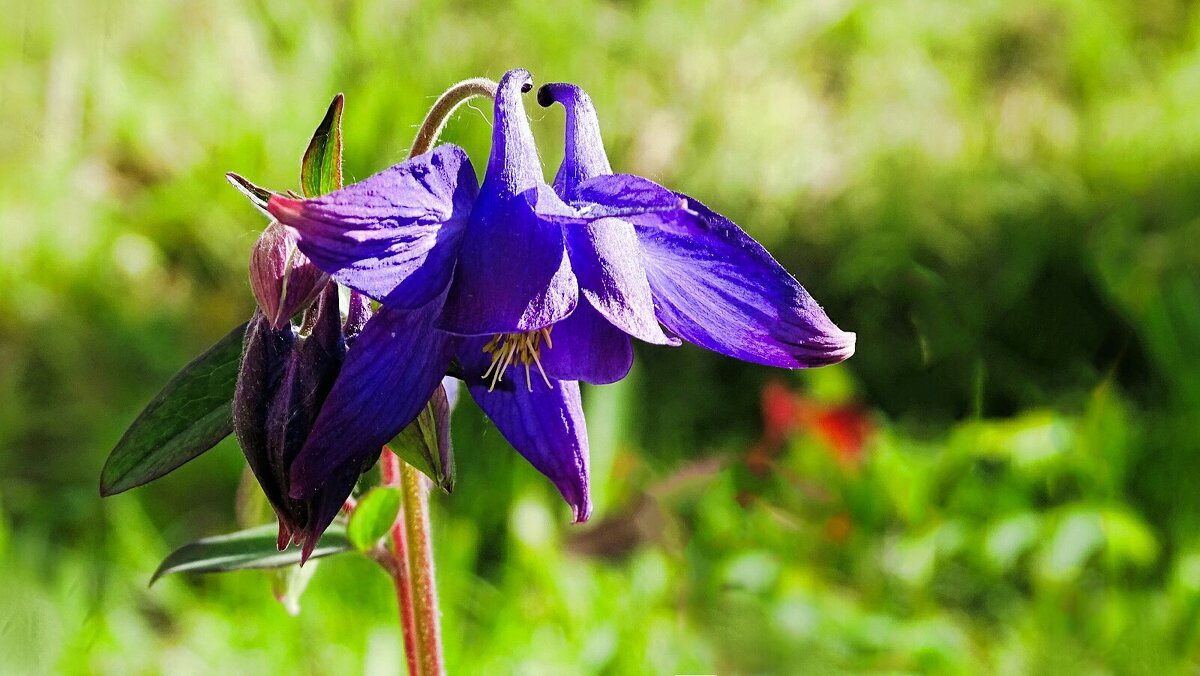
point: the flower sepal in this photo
(425, 443)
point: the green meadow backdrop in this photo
(1001, 198)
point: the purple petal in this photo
(513, 165)
(325, 505)
(513, 274)
(389, 375)
(266, 353)
(608, 264)
(631, 198)
(312, 369)
(393, 236)
(547, 427)
(587, 347)
(716, 287)
(583, 151)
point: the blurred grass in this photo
(1001, 198)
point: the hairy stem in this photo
(412, 544)
(455, 96)
(390, 466)
(415, 491)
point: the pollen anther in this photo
(517, 348)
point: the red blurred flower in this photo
(844, 428)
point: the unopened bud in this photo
(284, 281)
(283, 381)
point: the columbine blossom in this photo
(489, 278)
(510, 277)
(712, 284)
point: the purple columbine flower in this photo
(508, 275)
(489, 277)
(712, 284)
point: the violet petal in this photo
(716, 287)
(546, 426)
(608, 264)
(587, 347)
(393, 236)
(394, 367)
(583, 154)
(513, 275)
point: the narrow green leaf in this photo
(189, 416)
(373, 516)
(321, 171)
(251, 548)
(258, 195)
(425, 443)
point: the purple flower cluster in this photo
(523, 289)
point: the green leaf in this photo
(373, 516)
(257, 195)
(425, 443)
(189, 416)
(251, 548)
(321, 171)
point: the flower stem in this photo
(453, 97)
(415, 498)
(401, 577)
(412, 545)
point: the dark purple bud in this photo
(283, 382)
(284, 281)
(265, 356)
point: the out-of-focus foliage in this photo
(1001, 198)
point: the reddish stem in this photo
(401, 577)
(415, 490)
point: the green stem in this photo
(455, 96)
(415, 491)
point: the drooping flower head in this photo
(467, 274)
(508, 277)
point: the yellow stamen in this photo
(517, 348)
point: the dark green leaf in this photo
(189, 416)
(425, 443)
(321, 172)
(373, 516)
(251, 548)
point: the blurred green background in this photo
(1000, 198)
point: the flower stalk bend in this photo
(411, 540)
(444, 107)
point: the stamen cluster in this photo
(523, 348)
